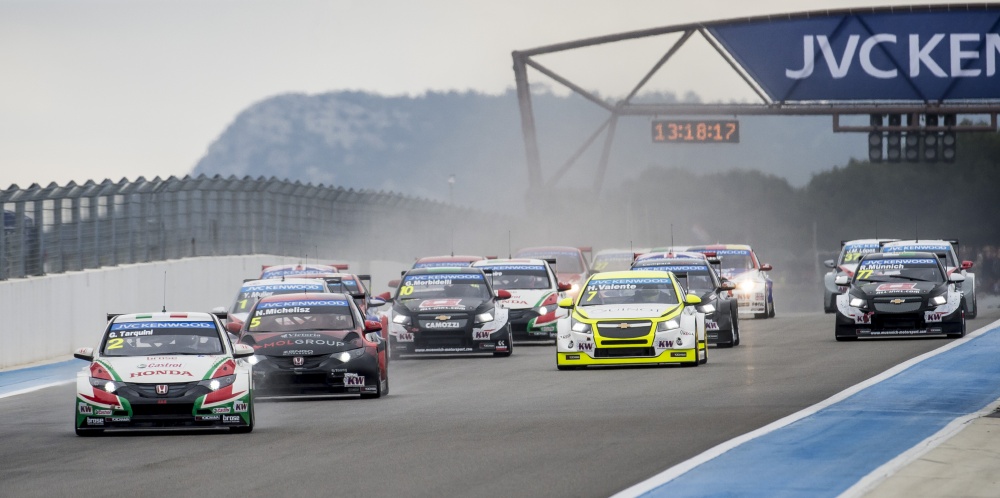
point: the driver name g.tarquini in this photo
(164, 370)
(448, 310)
(631, 317)
(900, 294)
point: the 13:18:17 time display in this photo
(697, 131)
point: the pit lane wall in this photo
(46, 318)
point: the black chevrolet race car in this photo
(699, 278)
(448, 310)
(900, 294)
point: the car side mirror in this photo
(956, 277)
(829, 263)
(502, 294)
(967, 264)
(692, 299)
(385, 296)
(394, 283)
(842, 280)
(373, 326)
(727, 286)
(566, 303)
(375, 302)
(234, 327)
(84, 354)
(242, 351)
(766, 267)
(563, 286)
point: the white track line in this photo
(36, 388)
(685, 466)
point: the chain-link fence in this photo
(63, 228)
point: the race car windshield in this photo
(566, 262)
(899, 270)
(306, 314)
(520, 277)
(160, 338)
(696, 278)
(250, 294)
(852, 253)
(736, 262)
(444, 286)
(629, 291)
(942, 252)
(612, 262)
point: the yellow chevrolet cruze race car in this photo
(631, 318)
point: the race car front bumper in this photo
(858, 323)
(527, 324)
(330, 374)
(669, 356)
(137, 406)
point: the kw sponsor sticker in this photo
(404, 337)
(351, 379)
(933, 316)
(481, 335)
(240, 407)
(85, 409)
(663, 344)
(585, 346)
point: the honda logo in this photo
(298, 361)
(162, 389)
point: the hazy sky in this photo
(94, 89)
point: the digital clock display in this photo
(701, 131)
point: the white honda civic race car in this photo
(155, 370)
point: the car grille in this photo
(170, 409)
(623, 352)
(520, 314)
(614, 330)
(908, 321)
(285, 362)
(615, 342)
(909, 305)
(174, 390)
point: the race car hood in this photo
(625, 311)
(884, 289)
(432, 305)
(163, 369)
(525, 298)
(303, 343)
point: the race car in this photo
(696, 276)
(631, 318)
(851, 252)
(947, 252)
(356, 285)
(571, 265)
(660, 255)
(316, 343)
(614, 259)
(532, 309)
(900, 294)
(754, 290)
(448, 310)
(169, 369)
(462, 261)
(253, 290)
(278, 271)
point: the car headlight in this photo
(667, 325)
(857, 302)
(747, 285)
(939, 300)
(401, 319)
(543, 310)
(218, 382)
(255, 359)
(578, 326)
(708, 308)
(574, 287)
(350, 354)
(484, 317)
(109, 386)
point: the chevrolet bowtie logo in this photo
(623, 326)
(442, 317)
(898, 301)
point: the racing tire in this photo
(770, 306)
(959, 335)
(510, 345)
(736, 329)
(249, 427)
(975, 308)
(382, 389)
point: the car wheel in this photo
(975, 308)
(249, 427)
(962, 333)
(770, 304)
(736, 329)
(379, 391)
(510, 345)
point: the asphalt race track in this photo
(461, 426)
